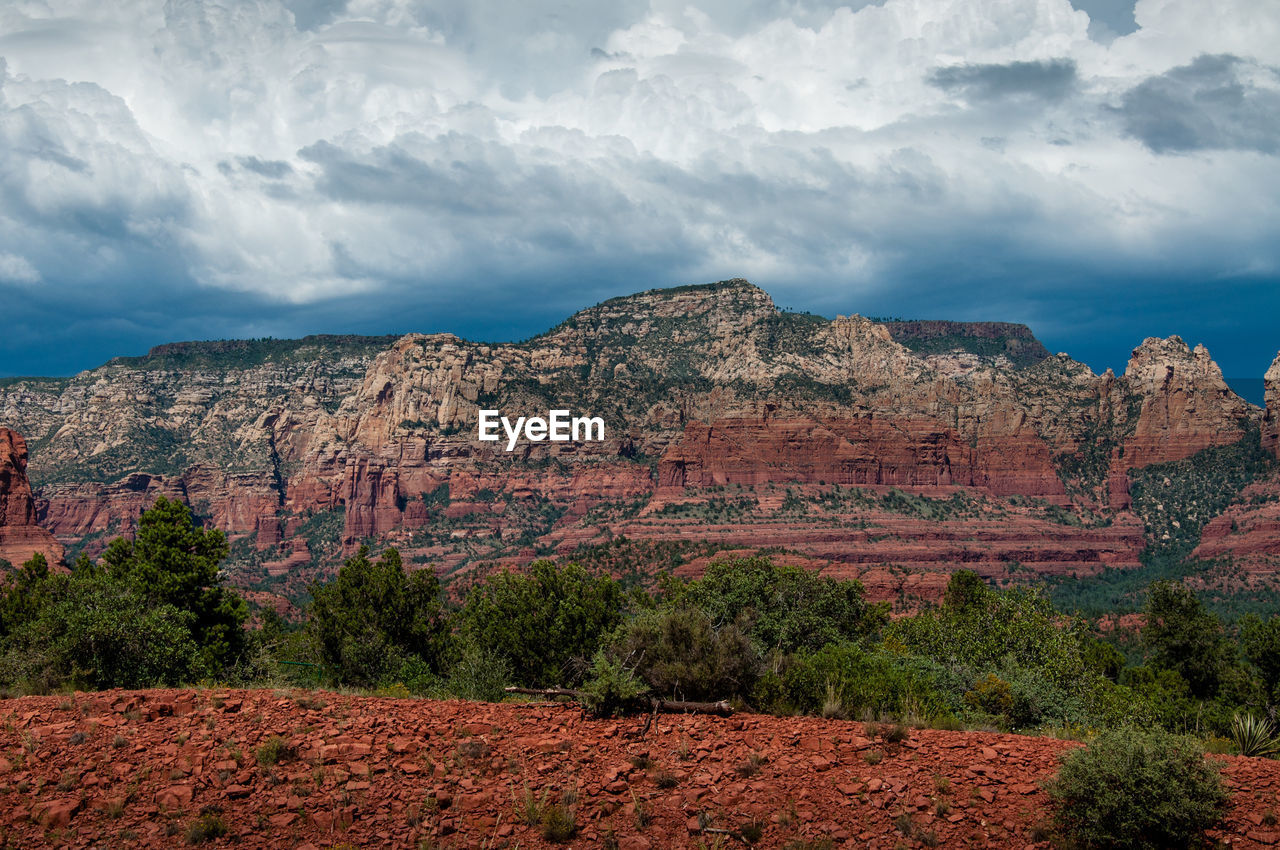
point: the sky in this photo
(1101, 170)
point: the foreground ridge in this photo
(141, 768)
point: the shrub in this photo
(545, 623)
(683, 654)
(558, 823)
(990, 695)
(479, 675)
(374, 620)
(860, 680)
(208, 827)
(612, 689)
(783, 607)
(273, 751)
(1131, 788)
(96, 632)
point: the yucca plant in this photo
(1254, 736)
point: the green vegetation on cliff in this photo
(227, 355)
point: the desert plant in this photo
(273, 750)
(558, 823)
(896, 734)
(1132, 788)
(208, 827)
(1254, 736)
(751, 765)
(530, 807)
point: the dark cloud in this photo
(1208, 104)
(272, 168)
(1049, 80)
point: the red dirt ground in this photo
(136, 768)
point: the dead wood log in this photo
(666, 706)
(545, 692)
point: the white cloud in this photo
(386, 141)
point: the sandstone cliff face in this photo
(219, 425)
(1271, 421)
(20, 537)
(301, 449)
(1186, 405)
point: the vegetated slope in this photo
(727, 420)
(159, 768)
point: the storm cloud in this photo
(1050, 80)
(1216, 102)
(196, 168)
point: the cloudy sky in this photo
(195, 169)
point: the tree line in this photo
(153, 610)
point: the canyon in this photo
(892, 451)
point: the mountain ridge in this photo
(703, 388)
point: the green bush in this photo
(1130, 788)
(546, 623)
(611, 688)
(680, 653)
(558, 824)
(479, 675)
(94, 632)
(374, 621)
(208, 827)
(783, 608)
(990, 695)
(860, 680)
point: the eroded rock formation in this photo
(1186, 405)
(20, 537)
(1271, 419)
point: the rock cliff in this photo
(1271, 421)
(20, 537)
(717, 406)
(1186, 405)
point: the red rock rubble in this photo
(138, 768)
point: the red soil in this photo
(392, 772)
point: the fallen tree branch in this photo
(545, 692)
(721, 708)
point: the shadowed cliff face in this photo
(1271, 423)
(20, 537)
(302, 450)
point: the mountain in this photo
(893, 451)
